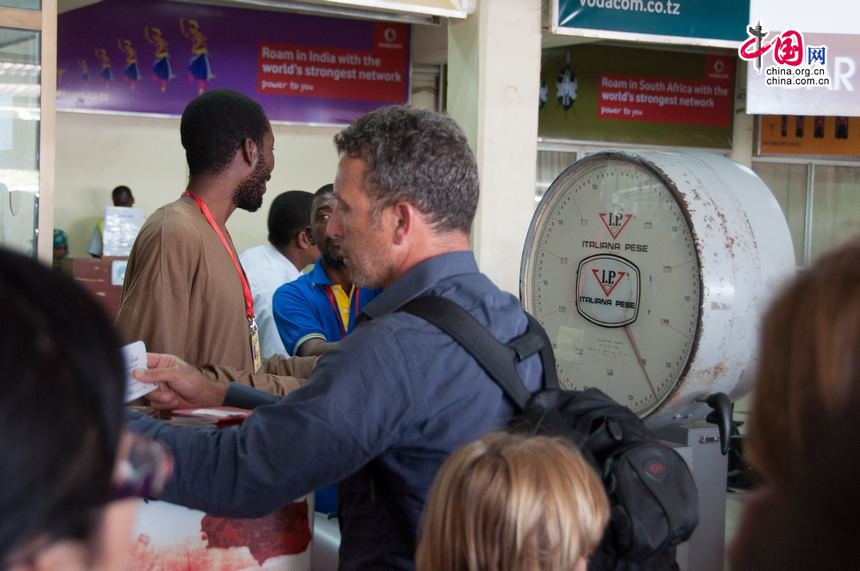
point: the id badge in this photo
(255, 346)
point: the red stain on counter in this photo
(284, 532)
(226, 544)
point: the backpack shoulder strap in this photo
(547, 357)
(534, 340)
(498, 360)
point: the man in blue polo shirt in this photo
(319, 308)
(316, 310)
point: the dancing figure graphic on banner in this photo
(131, 70)
(161, 67)
(199, 65)
(85, 69)
(105, 71)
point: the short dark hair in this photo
(418, 156)
(120, 193)
(289, 214)
(61, 407)
(214, 126)
(325, 189)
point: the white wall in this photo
(822, 16)
(98, 152)
(494, 73)
(430, 44)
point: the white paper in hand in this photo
(135, 358)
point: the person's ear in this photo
(402, 216)
(309, 236)
(303, 239)
(249, 151)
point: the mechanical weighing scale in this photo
(649, 272)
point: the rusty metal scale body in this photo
(650, 272)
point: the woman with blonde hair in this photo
(513, 502)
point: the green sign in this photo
(629, 95)
(703, 22)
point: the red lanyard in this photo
(328, 291)
(246, 289)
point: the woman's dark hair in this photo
(811, 520)
(61, 408)
(808, 361)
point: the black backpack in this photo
(652, 496)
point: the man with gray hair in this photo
(383, 410)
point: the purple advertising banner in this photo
(148, 56)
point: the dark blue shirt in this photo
(380, 414)
(306, 309)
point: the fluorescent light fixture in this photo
(426, 12)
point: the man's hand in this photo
(316, 347)
(180, 385)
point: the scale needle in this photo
(639, 358)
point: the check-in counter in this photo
(169, 537)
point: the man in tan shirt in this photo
(184, 290)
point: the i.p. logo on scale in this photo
(607, 290)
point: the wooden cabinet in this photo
(103, 278)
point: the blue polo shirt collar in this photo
(317, 275)
(421, 278)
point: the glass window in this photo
(550, 164)
(19, 138)
(26, 4)
(787, 182)
(835, 206)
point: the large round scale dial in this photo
(613, 232)
(645, 271)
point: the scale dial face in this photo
(611, 271)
